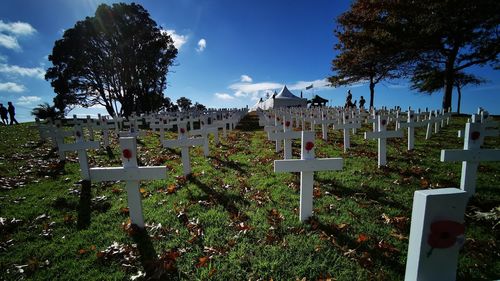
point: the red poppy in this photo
(383, 122)
(127, 153)
(444, 234)
(287, 123)
(475, 135)
(309, 145)
(78, 134)
(182, 130)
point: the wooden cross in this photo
(184, 143)
(470, 156)
(382, 135)
(132, 174)
(307, 165)
(436, 234)
(81, 147)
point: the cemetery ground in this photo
(234, 218)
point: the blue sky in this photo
(230, 53)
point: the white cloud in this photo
(202, 44)
(9, 42)
(10, 31)
(36, 72)
(28, 100)
(318, 84)
(246, 78)
(17, 28)
(224, 96)
(178, 39)
(12, 87)
(247, 88)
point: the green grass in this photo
(234, 219)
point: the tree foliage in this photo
(119, 58)
(184, 103)
(428, 79)
(451, 36)
(368, 50)
(381, 39)
(44, 111)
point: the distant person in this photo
(362, 102)
(3, 113)
(12, 112)
(348, 98)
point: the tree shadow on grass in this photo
(385, 256)
(367, 192)
(232, 164)
(225, 200)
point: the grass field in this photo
(234, 218)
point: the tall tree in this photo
(184, 103)
(119, 58)
(428, 79)
(368, 51)
(449, 35)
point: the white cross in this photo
(104, 127)
(325, 121)
(184, 143)
(436, 234)
(307, 165)
(90, 126)
(470, 156)
(58, 134)
(287, 135)
(81, 147)
(276, 128)
(131, 173)
(345, 126)
(204, 132)
(160, 126)
(411, 125)
(382, 135)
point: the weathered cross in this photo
(132, 174)
(184, 143)
(382, 135)
(307, 165)
(470, 156)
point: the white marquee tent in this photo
(284, 98)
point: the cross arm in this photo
(476, 155)
(312, 165)
(127, 174)
(79, 146)
(383, 135)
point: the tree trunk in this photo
(449, 77)
(459, 99)
(372, 92)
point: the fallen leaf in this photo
(362, 238)
(202, 261)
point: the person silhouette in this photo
(3, 113)
(12, 112)
(362, 102)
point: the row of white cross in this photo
(437, 230)
(437, 225)
(279, 128)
